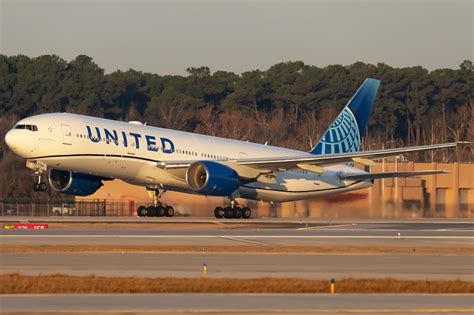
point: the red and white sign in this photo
(38, 226)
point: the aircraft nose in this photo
(11, 139)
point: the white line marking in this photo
(324, 227)
(456, 230)
(242, 236)
(241, 240)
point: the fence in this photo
(27, 207)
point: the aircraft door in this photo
(67, 134)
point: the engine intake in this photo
(73, 183)
(212, 178)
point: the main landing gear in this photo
(232, 212)
(158, 209)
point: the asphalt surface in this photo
(275, 232)
(130, 219)
(411, 234)
(244, 265)
(239, 303)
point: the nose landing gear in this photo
(39, 185)
(39, 169)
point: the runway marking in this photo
(324, 227)
(271, 310)
(244, 236)
(241, 240)
(455, 230)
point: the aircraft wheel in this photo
(169, 211)
(151, 211)
(160, 211)
(43, 186)
(219, 212)
(228, 213)
(237, 213)
(36, 186)
(246, 213)
(141, 211)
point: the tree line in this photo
(290, 104)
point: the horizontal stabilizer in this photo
(364, 176)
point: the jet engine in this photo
(73, 183)
(212, 178)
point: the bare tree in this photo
(208, 119)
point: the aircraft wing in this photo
(363, 157)
(389, 175)
(316, 163)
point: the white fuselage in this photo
(132, 151)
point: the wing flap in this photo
(389, 175)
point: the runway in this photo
(238, 303)
(410, 265)
(245, 265)
(282, 233)
(210, 232)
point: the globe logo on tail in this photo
(342, 137)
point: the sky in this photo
(166, 37)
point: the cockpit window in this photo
(29, 127)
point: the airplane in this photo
(77, 153)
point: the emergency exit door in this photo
(67, 134)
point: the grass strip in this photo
(236, 249)
(15, 283)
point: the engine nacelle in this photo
(74, 183)
(212, 178)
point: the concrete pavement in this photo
(238, 303)
(244, 265)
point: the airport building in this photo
(445, 196)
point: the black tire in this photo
(36, 187)
(219, 212)
(228, 213)
(246, 213)
(150, 211)
(169, 211)
(43, 186)
(141, 211)
(160, 211)
(237, 213)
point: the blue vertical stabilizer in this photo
(346, 131)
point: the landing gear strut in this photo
(158, 209)
(39, 168)
(40, 186)
(232, 212)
